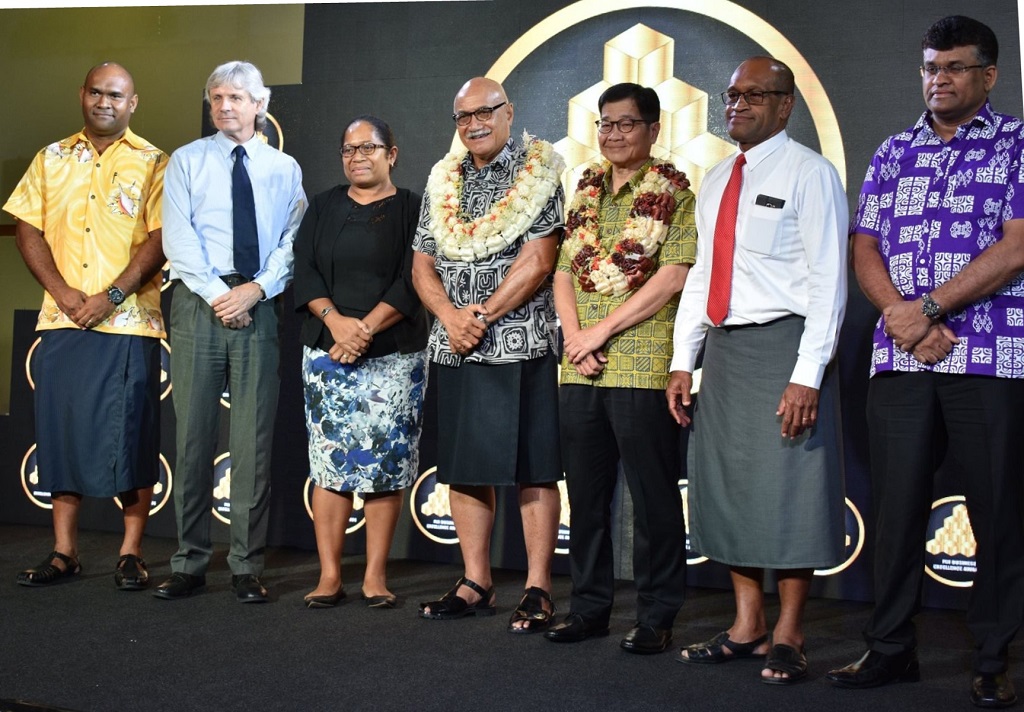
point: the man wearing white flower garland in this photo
(630, 240)
(484, 252)
(765, 300)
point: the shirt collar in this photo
(984, 117)
(226, 145)
(634, 180)
(766, 148)
(505, 158)
(129, 137)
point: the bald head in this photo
(482, 86)
(777, 73)
(484, 119)
(113, 68)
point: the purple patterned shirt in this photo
(933, 207)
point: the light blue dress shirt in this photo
(197, 230)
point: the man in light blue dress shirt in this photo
(224, 322)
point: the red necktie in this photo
(720, 289)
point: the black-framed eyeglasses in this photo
(625, 125)
(484, 113)
(754, 97)
(348, 150)
(953, 70)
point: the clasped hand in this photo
(465, 329)
(233, 307)
(85, 311)
(351, 338)
(584, 348)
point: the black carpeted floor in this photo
(83, 645)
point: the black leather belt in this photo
(233, 280)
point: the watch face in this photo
(115, 295)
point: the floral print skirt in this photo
(364, 420)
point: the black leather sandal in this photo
(130, 573)
(45, 573)
(451, 605)
(786, 659)
(531, 611)
(712, 652)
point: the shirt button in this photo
(88, 229)
(92, 197)
(97, 165)
(86, 265)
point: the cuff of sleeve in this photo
(807, 373)
(213, 289)
(683, 362)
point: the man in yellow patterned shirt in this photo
(630, 240)
(89, 230)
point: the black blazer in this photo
(356, 269)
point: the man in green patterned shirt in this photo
(630, 240)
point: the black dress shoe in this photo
(574, 629)
(130, 574)
(874, 669)
(647, 640)
(179, 585)
(248, 589)
(992, 689)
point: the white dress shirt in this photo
(198, 236)
(788, 260)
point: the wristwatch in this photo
(929, 307)
(115, 295)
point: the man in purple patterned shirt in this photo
(938, 247)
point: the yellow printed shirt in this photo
(639, 356)
(95, 212)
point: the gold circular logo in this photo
(951, 548)
(161, 490)
(30, 481)
(356, 519)
(854, 540)
(28, 363)
(645, 56)
(431, 509)
(222, 487)
(692, 557)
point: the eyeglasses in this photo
(953, 70)
(348, 150)
(754, 97)
(484, 113)
(625, 125)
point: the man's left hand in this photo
(905, 323)
(94, 310)
(580, 344)
(799, 409)
(230, 306)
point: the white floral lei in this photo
(629, 263)
(509, 217)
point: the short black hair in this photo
(647, 101)
(960, 31)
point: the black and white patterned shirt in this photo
(526, 332)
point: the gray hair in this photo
(245, 76)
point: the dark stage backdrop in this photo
(856, 66)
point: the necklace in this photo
(629, 263)
(467, 240)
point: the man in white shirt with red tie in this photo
(765, 300)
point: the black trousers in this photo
(915, 420)
(599, 427)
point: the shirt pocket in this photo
(762, 232)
